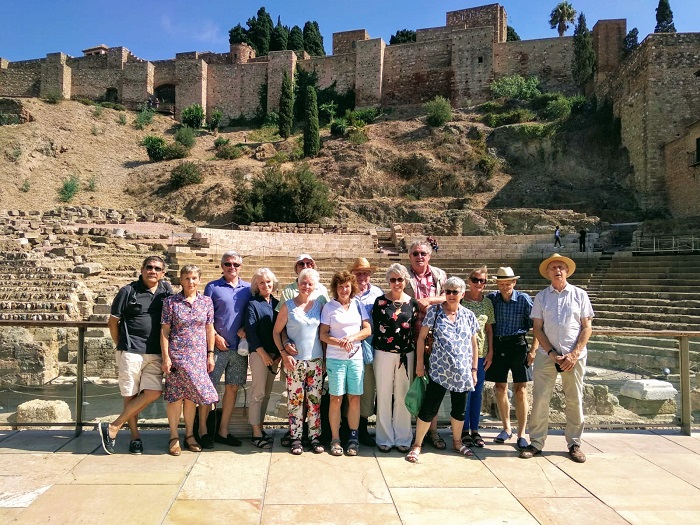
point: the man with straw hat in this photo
(510, 352)
(362, 270)
(562, 317)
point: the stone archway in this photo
(165, 94)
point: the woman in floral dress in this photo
(302, 357)
(453, 364)
(187, 345)
(393, 317)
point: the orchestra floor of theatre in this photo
(631, 476)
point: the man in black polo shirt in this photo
(134, 325)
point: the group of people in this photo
(370, 343)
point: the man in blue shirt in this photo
(230, 295)
(510, 352)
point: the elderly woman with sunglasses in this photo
(453, 364)
(264, 356)
(393, 317)
(477, 302)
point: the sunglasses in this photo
(306, 264)
(419, 254)
(452, 292)
(396, 279)
(155, 268)
(477, 281)
(235, 265)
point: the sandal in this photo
(403, 449)
(436, 441)
(192, 447)
(477, 440)
(353, 447)
(263, 441)
(462, 449)
(336, 448)
(286, 440)
(317, 447)
(174, 447)
(467, 440)
(297, 448)
(412, 456)
(384, 448)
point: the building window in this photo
(481, 60)
(694, 156)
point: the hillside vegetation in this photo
(462, 177)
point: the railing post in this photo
(686, 409)
(79, 382)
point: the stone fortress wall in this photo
(654, 91)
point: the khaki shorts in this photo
(138, 372)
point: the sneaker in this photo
(576, 454)
(522, 443)
(530, 452)
(136, 446)
(230, 440)
(206, 441)
(107, 442)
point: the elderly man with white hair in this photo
(562, 316)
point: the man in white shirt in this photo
(562, 317)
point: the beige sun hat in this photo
(570, 264)
(505, 273)
(361, 265)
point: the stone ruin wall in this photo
(344, 42)
(683, 180)
(492, 15)
(233, 88)
(21, 79)
(656, 95)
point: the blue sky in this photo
(157, 30)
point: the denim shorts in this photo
(345, 376)
(235, 366)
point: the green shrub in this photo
(175, 150)
(144, 118)
(268, 133)
(338, 127)
(439, 111)
(358, 136)
(495, 120)
(155, 147)
(85, 101)
(122, 119)
(53, 97)
(25, 187)
(220, 141)
(241, 121)
(579, 104)
(228, 152)
(486, 165)
(186, 136)
(192, 116)
(92, 184)
(540, 102)
(271, 119)
(113, 105)
(184, 174)
(558, 109)
(368, 115)
(529, 132)
(215, 119)
(69, 188)
(493, 106)
(515, 86)
(294, 196)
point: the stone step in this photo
(637, 324)
(630, 313)
(636, 309)
(646, 349)
(654, 342)
(643, 294)
(650, 303)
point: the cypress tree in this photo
(511, 35)
(312, 139)
(259, 32)
(631, 41)
(295, 42)
(313, 41)
(238, 35)
(279, 38)
(286, 114)
(403, 36)
(583, 63)
(664, 18)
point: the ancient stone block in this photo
(42, 411)
(648, 389)
(91, 268)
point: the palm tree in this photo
(561, 16)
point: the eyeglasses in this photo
(229, 264)
(306, 264)
(419, 254)
(155, 268)
(396, 279)
(452, 292)
(477, 281)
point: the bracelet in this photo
(210, 351)
(552, 350)
(288, 341)
(475, 369)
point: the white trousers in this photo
(393, 418)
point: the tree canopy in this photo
(512, 36)
(313, 40)
(403, 36)
(583, 64)
(279, 37)
(664, 18)
(561, 16)
(631, 41)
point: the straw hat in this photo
(362, 265)
(505, 273)
(570, 264)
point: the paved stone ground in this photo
(630, 477)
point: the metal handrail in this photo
(667, 243)
(682, 336)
